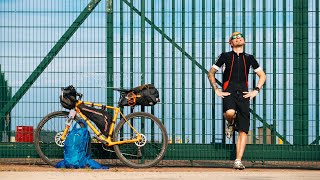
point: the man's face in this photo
(237, 40)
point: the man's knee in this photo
(230, 114)
(242, 133)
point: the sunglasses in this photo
(238, 35)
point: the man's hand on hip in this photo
(251, 94)
(221, 94)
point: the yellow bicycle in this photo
(139, 139)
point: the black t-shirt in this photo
(240, 71)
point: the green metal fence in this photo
(96, 45)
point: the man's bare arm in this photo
(212, 79)
(254, 93)
(262, 78)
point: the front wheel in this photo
(147, 152)
(47, 137)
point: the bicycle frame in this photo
(108, 141)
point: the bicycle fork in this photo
(70, 117)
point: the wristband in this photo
(256, 89)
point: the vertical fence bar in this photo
(152, 60)
(152, 65)
(204, 78)
(131, 45)
(297, 46)
(234, 28)
(244, 17)
(300, 72)
(254, 44)
(162, 59)
(183, 71)
(274, 87)
(121, 44)
(305, 74)
(233, 15)
(152, 47)
(193, 78)
(173, 74)
(223, 26)
(121, 51)
(244, 30)
(143, 42)
(317, 73)
(109, 64)
(284, 72)
(297, 74)
(143, 57)
(264, 48)
(213, 55)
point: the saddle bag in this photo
(145, 95)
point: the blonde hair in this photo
(233, 34)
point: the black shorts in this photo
(237, 102)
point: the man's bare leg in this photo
(230, 115)
(241, 144)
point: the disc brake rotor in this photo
(142, 142)
(58, 140)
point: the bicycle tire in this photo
(139, 157)
(44, 139)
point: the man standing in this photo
(235, 92)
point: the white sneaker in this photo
(238, 165)
(229, 130)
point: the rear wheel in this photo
(47, 137)
(147, 152)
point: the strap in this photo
(131, 99)
(87, 145)
(80, 121)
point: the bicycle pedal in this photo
(228, 135)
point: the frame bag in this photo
(101, 118)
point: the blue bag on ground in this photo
(76, 146)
